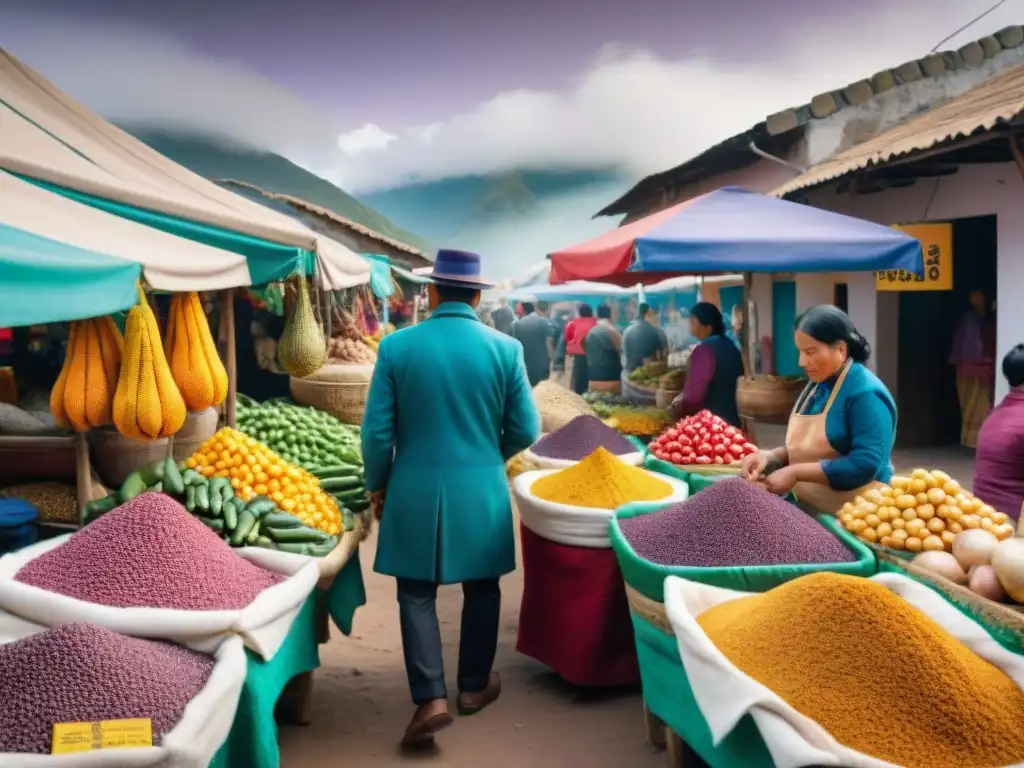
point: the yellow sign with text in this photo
(109, 734)
(937, 244)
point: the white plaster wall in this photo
(981, 190)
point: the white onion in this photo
(942, 564)
(974, 547)
(1008, 561)
(982, 580)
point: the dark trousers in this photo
(580, 376)
(421, 637)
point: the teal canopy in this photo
(267, 261)
(47, 281)
(381, 284)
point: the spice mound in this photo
(732, 523)
(149, 553)
(875, 672)
(580, 438)
(81, 673)
(600, 481)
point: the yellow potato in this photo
(869, 534)
(917, 528)
(919, 474)
(884, 530)
(887, 491)
(944, 511)
(906, 501)
(899, 483)
(955, 527)
(940, 476)
(900, 536)
(874, 496)
(922, 498)
(947, 538)
(917, 485)
(936, 526)
(909, 514)
(936, 496)
(926, 511)
(913, 544)
(952, 487)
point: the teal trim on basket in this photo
(668, 695)
(649, 578)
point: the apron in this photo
(806, 442)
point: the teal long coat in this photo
(449, 403)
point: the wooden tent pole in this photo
(749, 354)
(227, 317)
(83, 475)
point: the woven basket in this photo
(612, 387)
(649, 610)
(768, 398)
(1006, 622)
(345, 400)
(663, 397)
(115, 456)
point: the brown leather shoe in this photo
(471, 703)
(429, 719)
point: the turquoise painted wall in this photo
(783, 321)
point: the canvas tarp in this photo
(47, 135)
(60, 260)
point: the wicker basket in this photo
(1005, 622)
(115, 456)
(768, 398)
(345, 400)
(663, 397)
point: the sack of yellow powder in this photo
(881, 668)
(558, 405)
(573, 506)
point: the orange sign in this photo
(937, 244)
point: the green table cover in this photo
(668, 695)
(252, 742)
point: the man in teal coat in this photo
(449, 404)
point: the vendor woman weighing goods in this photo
(840, 435)
(449, 404)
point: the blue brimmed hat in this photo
(460, 269)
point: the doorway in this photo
(929, 410)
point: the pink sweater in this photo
(999, 463)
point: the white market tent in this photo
(47, 137)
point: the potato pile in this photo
(920, 513)
(349, 350)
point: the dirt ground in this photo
(361, 701)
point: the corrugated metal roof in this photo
(998, 100)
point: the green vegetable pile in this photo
(299, 434)
(258, 523)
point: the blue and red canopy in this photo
(734, 230)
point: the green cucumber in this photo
(173, 481)
(190, 498)
(99, 507)
(227, 493)
(132, 486)
(337, 470)
(357, 505)
(191, 477)
(351, 494)
(254, 534)
(281, 520)
(295, 548)
(216, 499)
(301, 534)
(323, 550)
(263, 541)
(203, 497)
(152, 473)
(213, 524)
(337, 484)
(246, 520)
(158, 488)
(230, 512)
(261, 505)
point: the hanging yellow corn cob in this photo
(57, 393)
(195, 365)
(111, 349)
(147, 404)
(97, 393)
(81, 398)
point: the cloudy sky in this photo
(374, 94)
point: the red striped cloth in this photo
(574, 616)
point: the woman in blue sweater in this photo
(841, 432)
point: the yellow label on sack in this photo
(109, 734)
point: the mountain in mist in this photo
(214, 159)
(445, 211)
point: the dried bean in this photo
(580, 438)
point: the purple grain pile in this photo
(83, 673)
(579, 438)
(733, 523)
(149, 553)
